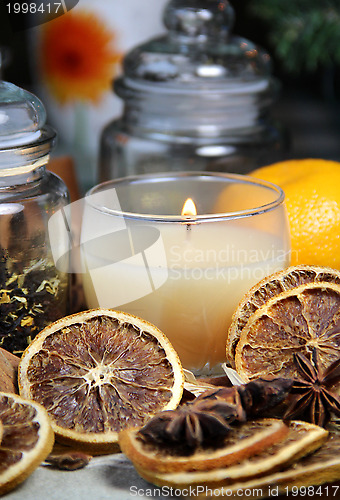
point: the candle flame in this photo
(189, 208)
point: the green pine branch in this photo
(305, 34)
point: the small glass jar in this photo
(33, 292)
(197, 98)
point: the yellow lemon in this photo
(312, 189)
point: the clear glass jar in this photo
(33, 292)
(197, 98)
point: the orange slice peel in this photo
(318, 468)
(241, 442)
(303, 438)
(98, 372)
(268, 288)
(27, 439)
(299, 320)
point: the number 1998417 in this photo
(321, 492)
(35, 8)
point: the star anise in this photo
(191, 425)
(255, 398)
(207, 420)
(314, 400)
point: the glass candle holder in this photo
(181, 250)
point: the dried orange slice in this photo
(322, 466)
(304, 318)
(268, 288)
(241, 442)
(27, 439)
(302, 439)
(98, 372)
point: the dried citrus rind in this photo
(304, 318)
(303, 438)
(268, 288)
(320, 467)
(242, 441)
(27, 439)
(98, 372)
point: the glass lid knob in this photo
(199, 18)
(197, 52)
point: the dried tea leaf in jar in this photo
(33, 291)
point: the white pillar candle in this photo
(184, 274)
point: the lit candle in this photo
(184, 273)
(189, 208)
(188, 212)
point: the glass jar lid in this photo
(24, 137)
(199, 53)
(22, 116)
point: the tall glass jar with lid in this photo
(197, 98)
(33, 292)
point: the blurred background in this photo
(302, 37)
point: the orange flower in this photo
(78, 57)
